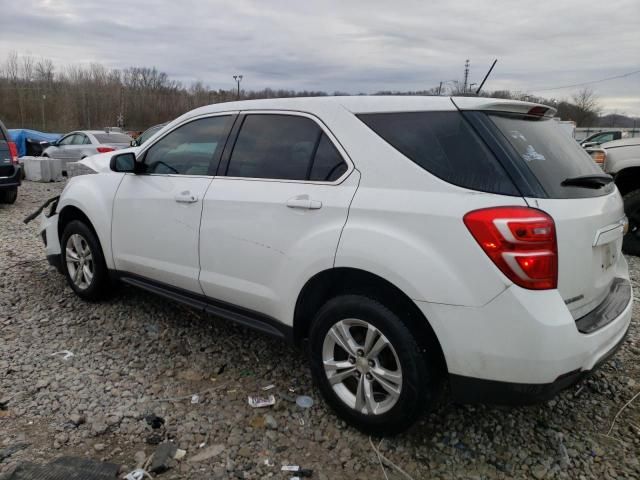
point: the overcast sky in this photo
(349, 45)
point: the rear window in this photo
(112, 138)
(550, 154)
(445, 145)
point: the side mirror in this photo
(123, 163)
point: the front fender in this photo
(93, 195)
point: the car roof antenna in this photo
(486, 76)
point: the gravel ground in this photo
(138, 354)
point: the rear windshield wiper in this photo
(598, 180)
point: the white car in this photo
(406, 241)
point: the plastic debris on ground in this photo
(137, 474)
(303, 401)
(154, 421)
(66, 354)
(195, 399)
(268, 387)
(298, 470)
(257, 401)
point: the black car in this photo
(9, 168)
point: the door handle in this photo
(185, 197)
(304, 202)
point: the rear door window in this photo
(274, 146)
(550, 154)
(445, 145)
(328, 165)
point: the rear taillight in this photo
(105, 149)
(521, 242)
(13, 151)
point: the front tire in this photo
(9, 195)
(83, 262)
(631, 241)
(368, 365)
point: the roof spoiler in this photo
(507, 106)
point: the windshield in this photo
(113, 138)
(551, 154)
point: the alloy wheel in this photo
(79, 261)
(362, 366)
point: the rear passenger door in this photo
(273, 214)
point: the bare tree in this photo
(587, 107)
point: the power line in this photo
(587, 83)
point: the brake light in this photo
(520, 241)
(538, 111)
(13, 151)
(105, 149)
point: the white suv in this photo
(404, 240)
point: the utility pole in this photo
(440, 88)
(466, 75)
(120, 122)
(44, 97)
(238, 79)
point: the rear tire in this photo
(9, 195)
(631, 241)
(380, 385)
(83, 262)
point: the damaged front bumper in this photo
(48, 229)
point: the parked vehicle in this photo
(146, 135)
(621, 159)
(10, 176)
(32, 142)
(406, 241)
(77, 145)
(599, 138)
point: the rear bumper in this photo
(477, 390)
(524, 346)
(13, 180)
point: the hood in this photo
(100, 162)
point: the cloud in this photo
(355, 46)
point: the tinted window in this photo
(189, 149)
(328, 165)
(112, 138)
(274, 146)
(550, 154)
(445, 145)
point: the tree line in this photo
(36, 94)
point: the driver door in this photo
(156, 214)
